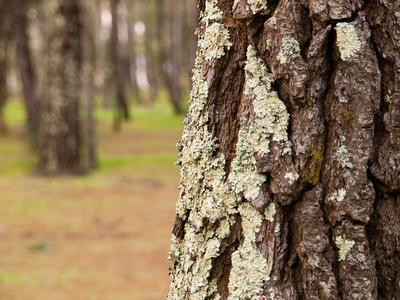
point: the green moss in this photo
(313, 174)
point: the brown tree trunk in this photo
(59, 131)
(290, 156)
(174, 80)
(131, 11)
(121, 99)
(23, 58)
(100, 46)
(4, 28)
(88, 62)
(3, 86)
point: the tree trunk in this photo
(121, 99)
(88, 62)
(4, 28)
(290, 156)
(131, 11)
(59, 131)
(174, 81)
(23, 58)
(3, 85)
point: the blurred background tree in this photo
(65, 59)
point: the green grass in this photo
(14, 112)
(145, 120)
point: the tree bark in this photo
(290, 156)
(24, 61)
(59, 131)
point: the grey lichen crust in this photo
(249, 267)
(347, 40)
(272, 117)
(343, 157)
(338, 195)
(244, 177)
(258, 6)
(290, 49)
(204, 191)
(344, 246)
(216, 36)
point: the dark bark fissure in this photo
(222, 265)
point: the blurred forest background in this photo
(92, 95)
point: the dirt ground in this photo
(105, 236)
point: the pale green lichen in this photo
(347, 40)
(258, 6)
(216, 35)
(270, 212)
(344, 247)
(290, 49)
(272, 22)
(249, 267)
(277, 227)
(212, 12)
(343, 157)
(292, 178)
(244, 177)
(338, 195)
(204, 191)
(216, 38)
(272, 117)
(388, 96)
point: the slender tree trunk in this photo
(101, 66)
(290, 156)
(59, 131)
(174, 82)
(121, 99)
(131, 10)
(4, 8)
(192, 37)
(3, 84)
(23, 58)
(88, 61)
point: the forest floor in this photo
(104, 236)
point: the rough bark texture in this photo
(290, 155)
(59, 131)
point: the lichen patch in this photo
(244, 177)
(344, 247)
(347, 40)
(290, 49)
(212, 12)
(216, 39)
(249, 267)
(338, 195)
(258, 6)
(270, 212)
(291, 177)
(343, 157)
(272, 117)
